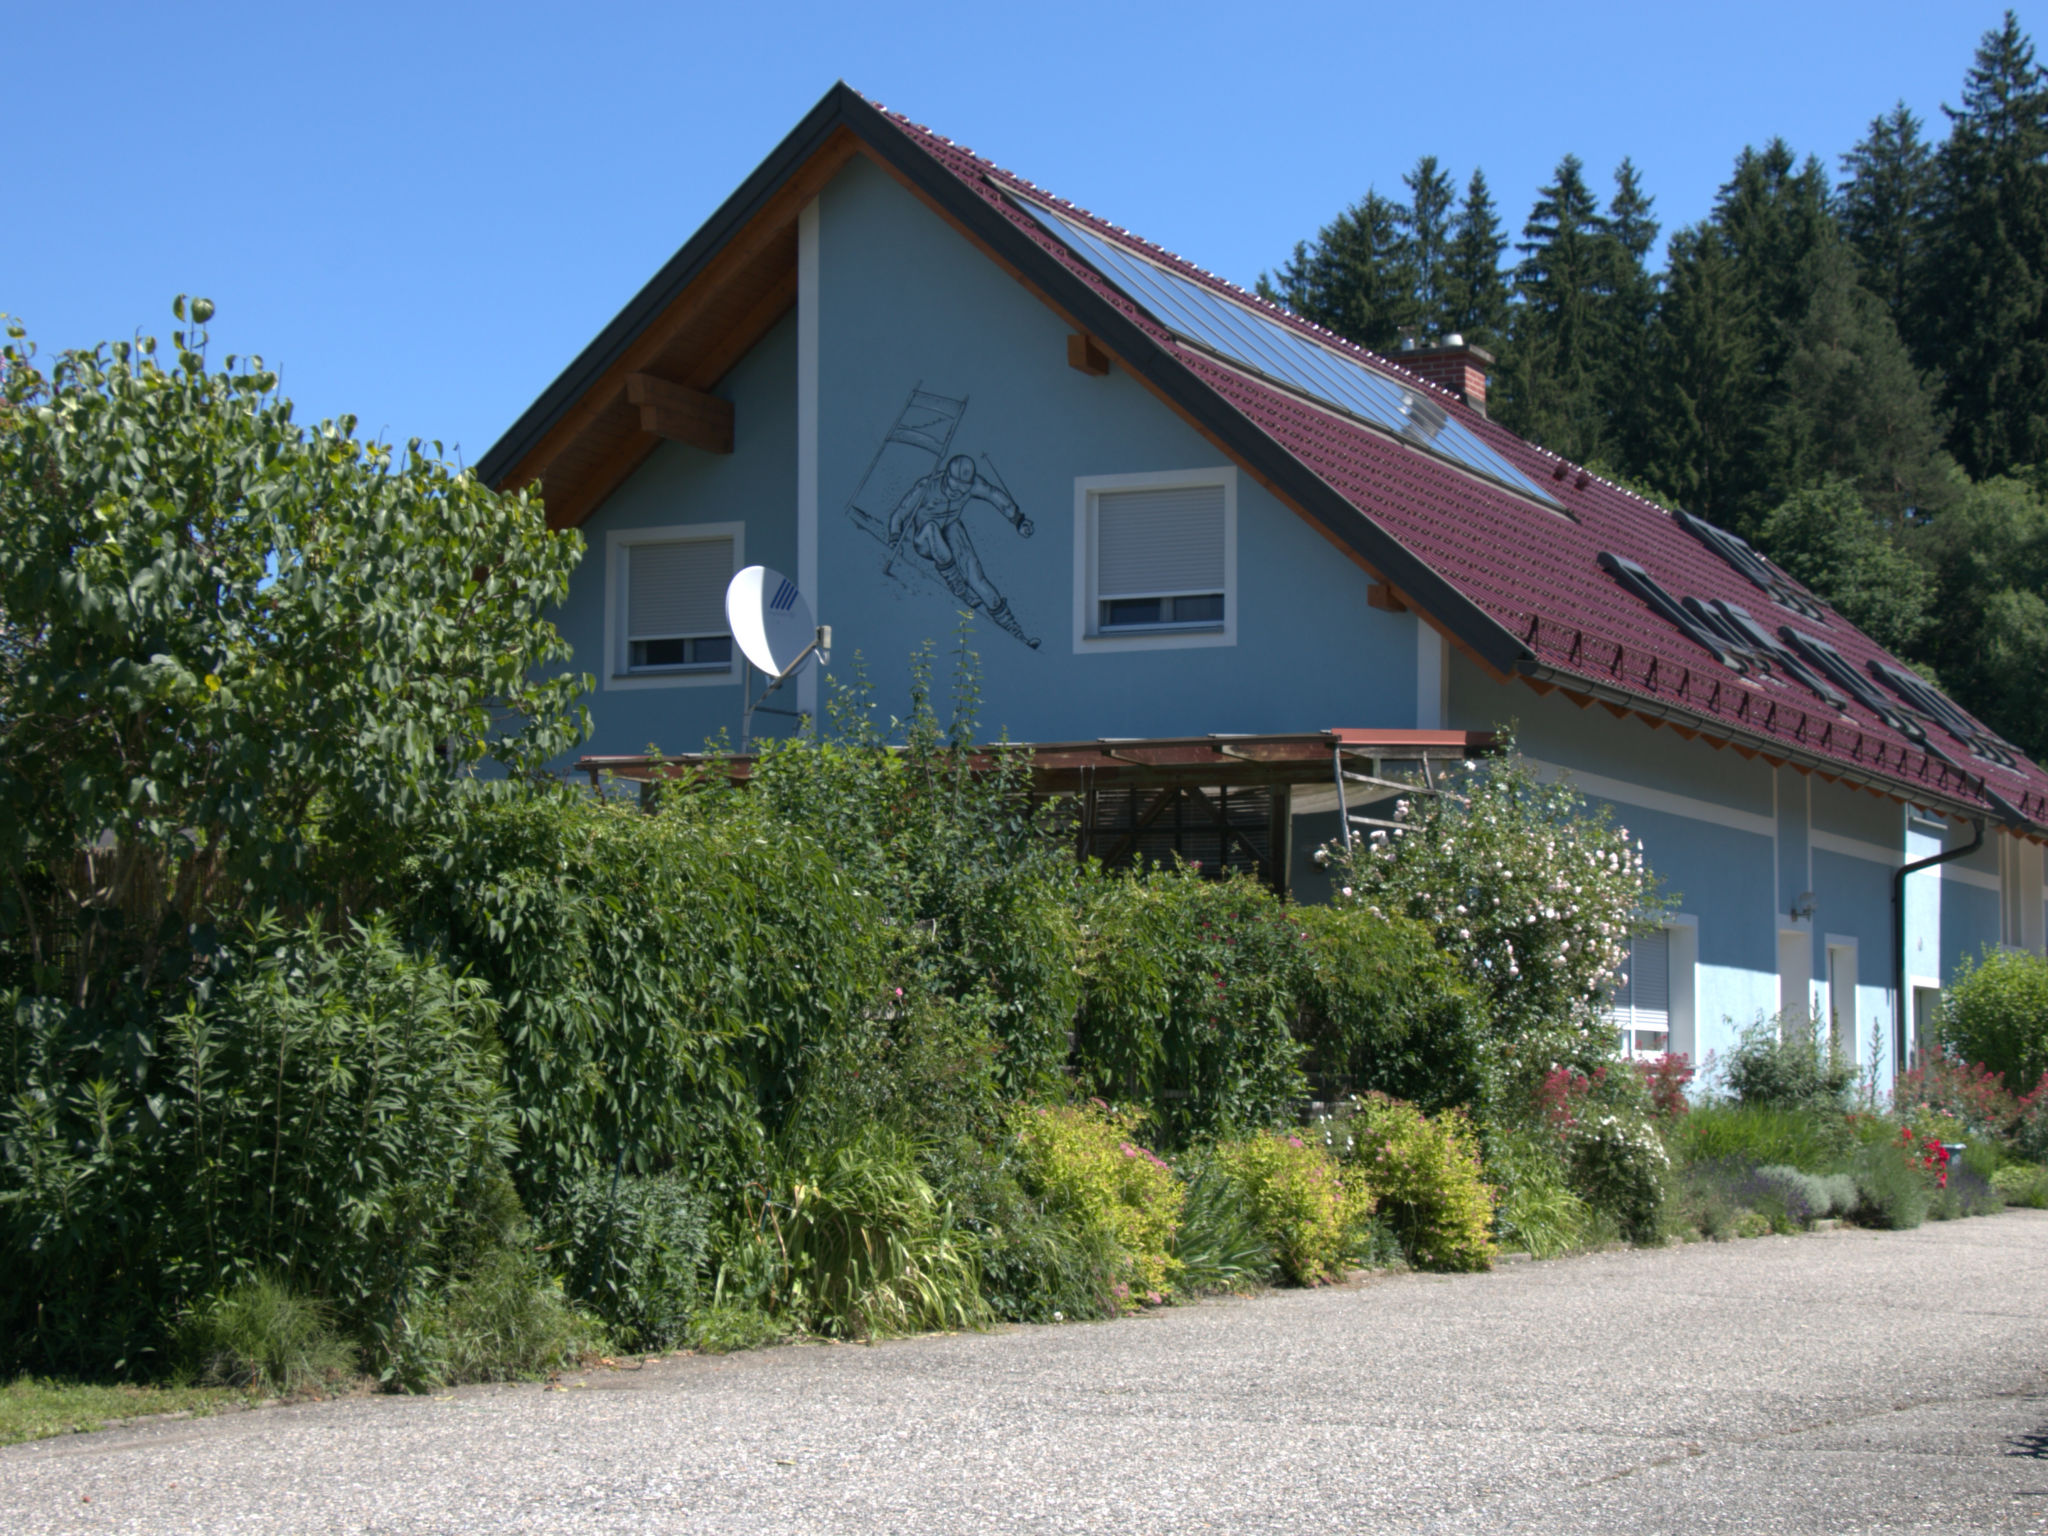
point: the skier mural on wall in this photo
(914, 499)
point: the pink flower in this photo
(1294, 1141)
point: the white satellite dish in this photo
(771, 624)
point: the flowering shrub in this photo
(1665, 1078)
(1618, 1164)
(2029, 1132)
(1298, 1199)
(1926, 1152)
(1086, 1163)
(1532, 893)
(1425, 1176)
(1616, 1158)
(1972, 1096)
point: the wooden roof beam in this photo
(681, 415)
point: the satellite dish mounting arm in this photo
(820, 646)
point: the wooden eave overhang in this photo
(1071, 767)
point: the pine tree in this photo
(1707, 424)
(1356, 278)
(1475, 290)
(1558, 334)
(1772, 214)
(1631, 299)
(1849, 404)
(1735, 293)
(1882, 205)
(1426, 230)
(1983, 306)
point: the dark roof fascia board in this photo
(1770, 746)
(1413, 577)
(662, 289)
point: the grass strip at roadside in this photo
(33, 1408)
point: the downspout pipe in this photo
(1899, 935)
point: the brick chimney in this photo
(1454, 366)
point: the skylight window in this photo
(1753, 566)
(1937, 708)
(1278, 352)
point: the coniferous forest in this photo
(1848, 369)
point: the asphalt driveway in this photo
(1850, 1381)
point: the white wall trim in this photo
(1960, 876)
(1600, 787)
(1085, 488)
(615, 679)
(1856, 848)
(1432, 676)
(807, 435)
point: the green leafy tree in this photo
(1828, 538)
(246, 657)
(1989, 550)
(1475, 289)
(1983, 307)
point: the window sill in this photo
(1117, 632)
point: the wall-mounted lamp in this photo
(1802, 908)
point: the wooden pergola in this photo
(1146, 798)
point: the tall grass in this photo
(1760, 1134)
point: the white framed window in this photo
(664, 605)
(1155, 560)
(1641, 1004)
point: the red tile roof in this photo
(1531, 571)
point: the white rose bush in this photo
(1531, 890)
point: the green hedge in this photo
(1188, 1000)
(324, 1111)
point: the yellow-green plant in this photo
(854, 1242)
(1086, 1162)
(1299, 1200)
(1425, 1174)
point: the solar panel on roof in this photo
(1279, 353)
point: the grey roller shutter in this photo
(1159, 543)
(677, 589)
(1649, 979)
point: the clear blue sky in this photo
(420, 212)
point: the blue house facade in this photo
(1193, 531)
